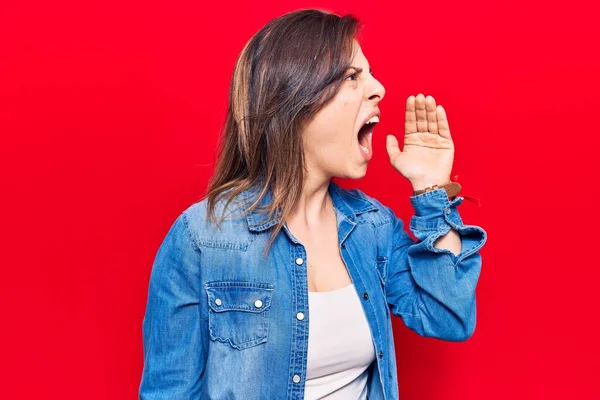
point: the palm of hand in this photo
(428, 151)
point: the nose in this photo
(376, 91)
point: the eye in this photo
(352, 77)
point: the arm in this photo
(431, 288)
(172, 337)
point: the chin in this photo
(357, 172)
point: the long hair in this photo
(285, 74)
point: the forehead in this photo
(359, 58)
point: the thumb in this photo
(392, 147)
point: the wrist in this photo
(422, 184)
(452, 189)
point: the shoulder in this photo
(197, 214)
(231, 232)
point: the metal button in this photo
(381, 354)
(299, 261)
(258, 304)
(218, 302)
(296, 378)
(300, 316)
(447, 211)
(366, 296)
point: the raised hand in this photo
(428, 151)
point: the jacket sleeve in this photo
(432, 289)
(172, 338)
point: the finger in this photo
(410, 118)
(432, 124)
(442, 121)
(392, 147)
(421, 113)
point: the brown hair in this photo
(285, 74)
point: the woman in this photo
(279, 285)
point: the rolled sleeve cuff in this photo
(435, 212)
(435, 215)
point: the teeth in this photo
(373, 119)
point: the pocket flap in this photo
(239, 296)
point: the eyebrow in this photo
(359, 70)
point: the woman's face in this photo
(333, 145)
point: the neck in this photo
(315, 202)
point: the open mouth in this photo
(365, 135)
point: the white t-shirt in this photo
(340, 346)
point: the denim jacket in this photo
(223, 321)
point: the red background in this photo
(109, 115)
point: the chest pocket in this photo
(239, 312)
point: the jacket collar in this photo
(346, 202)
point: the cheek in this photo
(331, 127)
(332, 130)
(345, 117)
